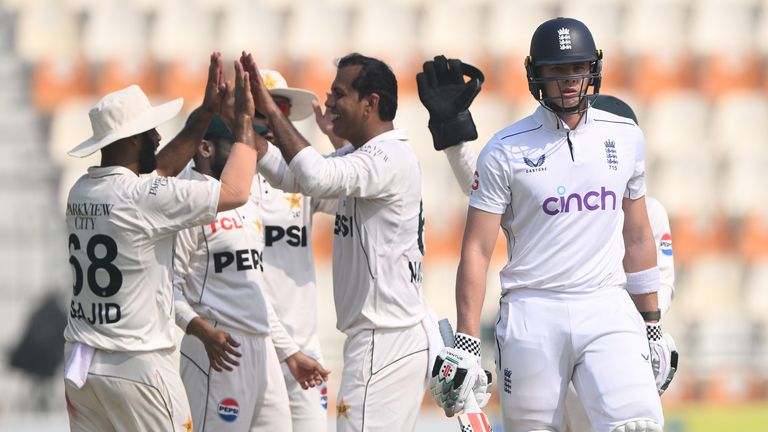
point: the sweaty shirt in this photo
(122, 229)
(378, 235)
(560, 193)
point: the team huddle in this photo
(213, 234)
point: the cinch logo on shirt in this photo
(590, 201)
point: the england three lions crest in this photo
(610, 155)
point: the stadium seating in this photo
(45, 29)
(257, 27)
(693, 70)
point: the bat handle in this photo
(470, 404)
(446, 332)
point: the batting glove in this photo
(457, 373)
(447, 97)
(663, 356)
(482, 387)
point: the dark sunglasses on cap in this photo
(283, 104)
(259, 129)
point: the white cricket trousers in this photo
(576, 419)
(598, 340)
(252, 397)
(129, 392)
(383, 380)
(309, 408)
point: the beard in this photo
(147, 158)
(217, 165)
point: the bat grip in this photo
(470, 404)
(446, 332)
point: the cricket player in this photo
(445, 94)
(567, 186)
(378, 243)
(122, 218)
(289, 264)
(289, 269)
(229, 363)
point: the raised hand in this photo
(325, 123)
(307, 371)
(216, 87)
(227, 112)
(244, 106)
(261, 96)
(447, 97)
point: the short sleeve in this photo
(186, 244)
(636, 185)
(169, 204)
(491, 186)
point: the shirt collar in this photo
(553, 123)
(98, 172)
(391, 135)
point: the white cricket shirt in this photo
(219, 273)
(378, 235)
(289, 264)
(560, 193)
(219, 267)
(659, 219)
(122, 229)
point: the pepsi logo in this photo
(229, 410)
(665, 245)
(324, 396)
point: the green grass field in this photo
(717, 418)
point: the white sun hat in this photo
(121, 114)
(301, 100)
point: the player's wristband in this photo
(467, 343)
(644, 282)
(651, 316)
(654, 331)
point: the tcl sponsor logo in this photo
(226, 223)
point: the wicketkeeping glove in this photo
(663, 356)
(457, 373)
(447, 97)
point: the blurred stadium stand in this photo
(694, 71)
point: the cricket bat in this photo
(473, 419)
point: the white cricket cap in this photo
(301, 100)
(121, 114)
